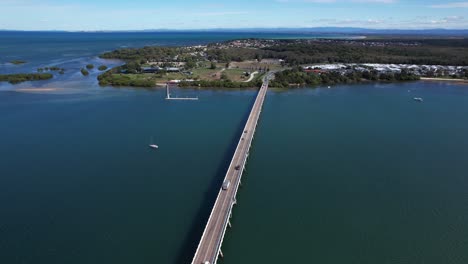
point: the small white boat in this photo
(153, 146)
(418, 99)
(329, 87)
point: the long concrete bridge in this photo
(209, 247)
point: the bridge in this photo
(209, 247)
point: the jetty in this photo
(168, 95)
(209, 247)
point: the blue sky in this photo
(204, 14)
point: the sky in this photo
(91, 15)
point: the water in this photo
(356, 174)
(353, 174)
(80, 185)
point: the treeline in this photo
(297, 76)
(24, 77)
(433, 52)
(221, 84)
(113, 77)
(144, 54)
(296, 52)
(355, 53)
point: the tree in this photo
(89, 66)
(190, 64)
(133, 67)
(213, 66)
(224, 76)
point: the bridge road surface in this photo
(209, 247)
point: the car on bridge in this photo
(226, 184)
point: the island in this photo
(84, 72)
(18, 62)
(242, 63)
(24, 77)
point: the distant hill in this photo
(352, 30)
(321, 30)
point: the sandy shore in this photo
(444, 80)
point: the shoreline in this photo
(444, 80)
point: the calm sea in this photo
(356, 174)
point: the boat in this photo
(418, 99)
(153, 146)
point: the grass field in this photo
(236, 75)
(207, 73)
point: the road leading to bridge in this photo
(209, 247)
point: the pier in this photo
(168, 95)
(209, 247)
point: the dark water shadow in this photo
(190, 243)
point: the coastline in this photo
(444, 80)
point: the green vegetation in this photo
(203, 64)
(115, 77)
(161, 54)
(18, 62)
(297, 76)
(235, 75)
(221, 84)
(433, 51)
(24, 77)
(102, 68)
(84, 72)
(90, 66)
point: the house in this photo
(172, 69)
(150, 69)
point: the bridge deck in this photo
(212, 238)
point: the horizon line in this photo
(353, 29)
